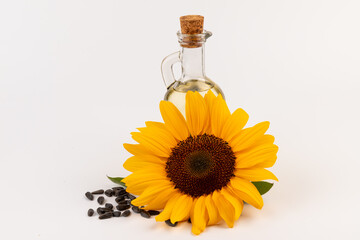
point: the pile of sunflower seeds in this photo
(123, 204)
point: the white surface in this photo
(76, 77)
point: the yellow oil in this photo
(177, 91)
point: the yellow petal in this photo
(212, 211)
(159, 131)
(220, 113)
(247, 191)
(195, 112)
(136, 149)
(226, 209)
(140, 187)
(166, 213)
(255, 174)
(234, 124)
(174, 120)
(238, 205)
(161, 199)
(198, 219)
(135, 163)
(150, 193)
(151, 145)
(248, 136)
(209, 100)
(146, 174)
(263, 156)
(182, 210)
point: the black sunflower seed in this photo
(106, 215)
(89, 196)
(99, 211)
(90, 212)
(101, 200)
(119, 199)
(109, 193)
(122, 207)
(116, 214)
(117, 188)
(169, 223)
(144, 213)
(109, 205)
(131, 197)
(124, 202)
(100, 191)
(136, 209)
(153, 212)
(120, 192)
(126, 213)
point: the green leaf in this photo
(117, 180)
(263, 187)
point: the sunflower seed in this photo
(100, 191)
(124, 202)
(101, 200)
(189, 220)
(116, 214)
(106, 215)
(89, 196)
(90, 212)
(117, 188)
(119, 199)
(109, 206)
(131, 197)
(153, 212)
(99, 211)
(144, 213)
(109, 193)
(126, 213)
(136, 209)
(120, 192)
(169, 223)
(122, 207)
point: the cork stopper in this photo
(192, 24)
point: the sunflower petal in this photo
(182, 210)
(247, 191)
(158, 130)
(161, 199)
(238, 205)
(136, 149)
(234, 124)
(146, 174)
(255, 174)
(195, 112)
(209, 101)
(166, 213)
(226, 209)
(149, 143)
(174, 120)
(212, 211)
(263, 156)
(135, 163)
(198, 219)
(249, 136)
(150, 193)
(219, 115)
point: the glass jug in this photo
(193, 78)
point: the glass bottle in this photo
(193, 78)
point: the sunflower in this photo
(199, 167)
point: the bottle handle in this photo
(167, 68)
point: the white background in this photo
(76, 77)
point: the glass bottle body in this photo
(193, 78)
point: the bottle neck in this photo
(192, 62)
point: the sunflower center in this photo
(200, 165)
